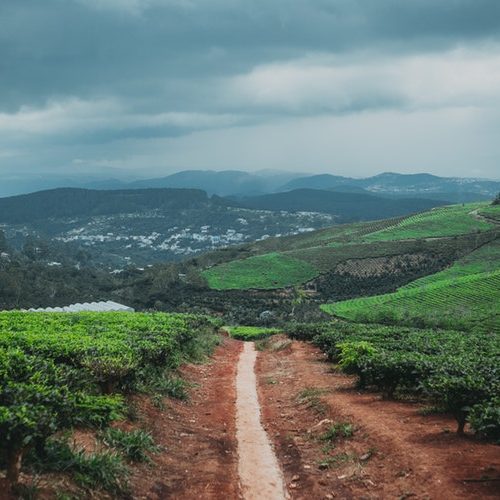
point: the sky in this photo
(141, 88)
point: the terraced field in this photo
(490, 212)
(448, 231)
(272, 270)
(440, 222)
(465, 296)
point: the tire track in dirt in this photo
(259, 472)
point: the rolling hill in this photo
(452, 189)
(346, 206)
(460, 298)
(140, 227)
(379, 250)
(70, 202)
(240, 184)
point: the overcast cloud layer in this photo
(149, 87)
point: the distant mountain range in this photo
(141, 226)
(452, 189)
(238, 184)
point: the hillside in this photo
(346, 206)
(141, 227)
(453, 189)
(68, 202)
(121, 399)
(463, 296)
(394, 250)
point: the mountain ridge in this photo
(239, 183)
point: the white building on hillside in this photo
(87, 307)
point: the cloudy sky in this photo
(147, 87)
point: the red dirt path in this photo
(395, 453)
(200, 458)
(404, 455)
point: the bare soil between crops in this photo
(198, 437)
(394, 452)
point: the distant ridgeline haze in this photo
(140, 227)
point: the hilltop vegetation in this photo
(437, 223)
(464, 296)
(468, 302)
(241, 282)
(136, 228)
(346, 206)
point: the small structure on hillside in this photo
(87, 307)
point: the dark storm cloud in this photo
(57, 48)
(76, 73)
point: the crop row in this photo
(58, 371)
(446, 221)
(468, 302)
(460, 373)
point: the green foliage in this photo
(305, 331)
(460, 383)
(251, 333)
(338, 430)
(98, 411)
(457, 371)
(94, 471)
(468, 302)
(444, 221)
(135, 445)
(58, 370)
(311, 398)
(266, 271)
(352, 354)
(485, 419)
(492, 211)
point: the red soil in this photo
(395, 453)
(199, 458)
(403, 454)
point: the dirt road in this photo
(216, 448)
(259, 472)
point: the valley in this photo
(249, 250)
(373, 348)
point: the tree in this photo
(496, 201)
(4, 246)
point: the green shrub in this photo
(484, 418)
(338, 430)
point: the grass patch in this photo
(268, 271)
(94, 471)
(336, 460)
(311, 398)
(338, 430)
(135, 445)
(452, 220)
(251, 332)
